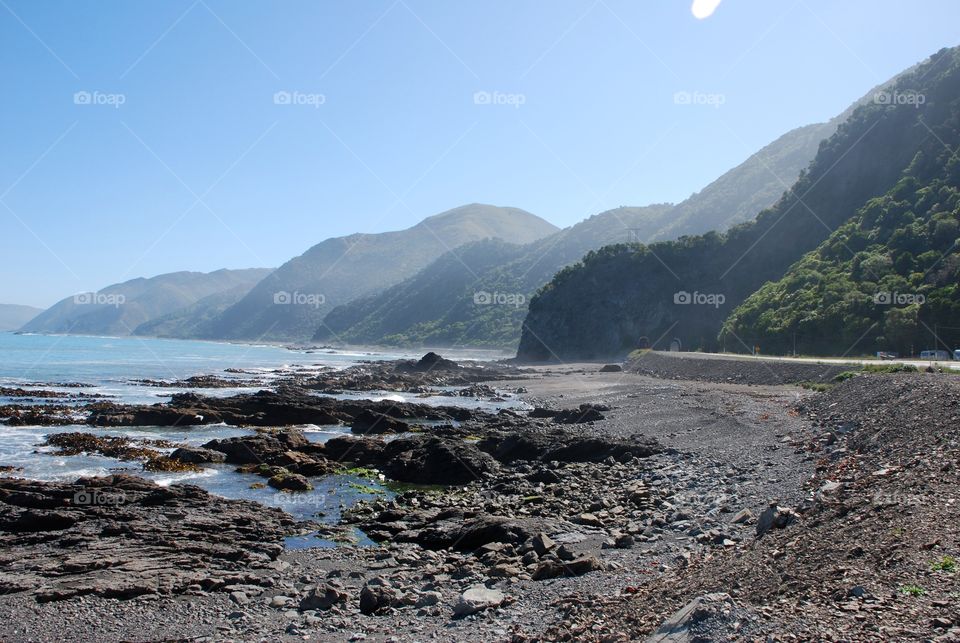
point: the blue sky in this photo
(200, 168)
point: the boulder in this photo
(372, 423)
(477, 598)
(262, 447)
(564, 446)
(577, 567)
(774, 517)
(198, 455)
(290, 482)
(542, 543)
(434, 460)
(376, 598)
(322, 597)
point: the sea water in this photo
(111, 366)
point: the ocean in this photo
(111, 366)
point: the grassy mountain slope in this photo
(454, 317)
(734, 197)
(195, 319)
(342, 269)
(750, 187)
(621, 296)
(121, 308)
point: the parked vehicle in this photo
(887, 355)
(956, 354)
(935, 355)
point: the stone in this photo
(542, 543)
(577, 567)
(322, 597)
(774, 516)
(624, 541)
(743, 517)
(477, 598)
(677, 628)
(829, 488)
(290, 482)
(198, 455)
(428, 599)
(280, 602)
(589, 519)
(377, 598)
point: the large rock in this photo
(372, 423)
(287, 406)
(477, 598)
(260, 447)
(290, 482)
(375, 598)
(322, 597)
(774, 517)
(123, 536)
(429, 362)
(416, 459)
(433, 460)
(577, 567)
(194, 455)
(563, 446)
(469, 534)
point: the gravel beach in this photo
(594, 523)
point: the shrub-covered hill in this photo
(888, 279)
(621, 294)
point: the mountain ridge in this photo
(119, 309)
(340, 269)
(624, 296)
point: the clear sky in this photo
(180, 155)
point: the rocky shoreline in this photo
(619, 500)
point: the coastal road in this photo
(920, 364)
